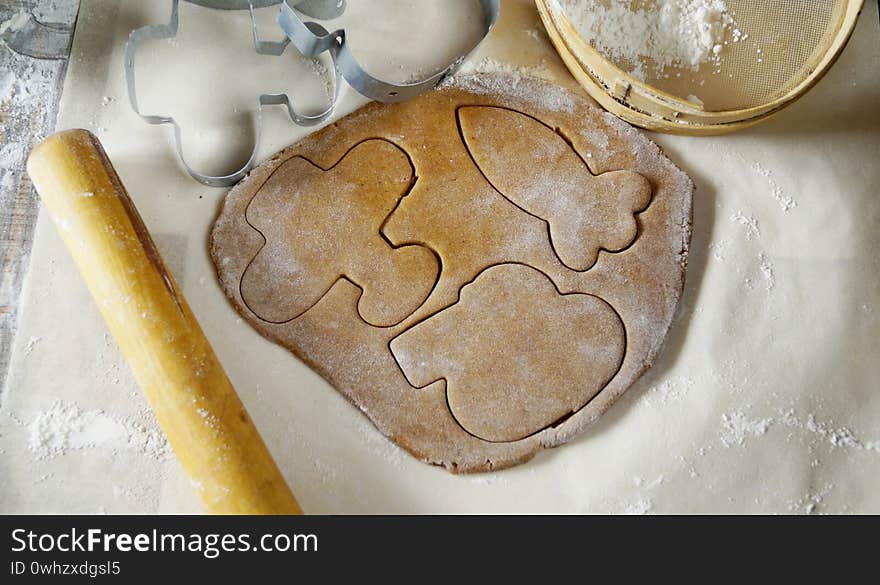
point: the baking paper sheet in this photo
(765, 398)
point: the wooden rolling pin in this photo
(205, 422)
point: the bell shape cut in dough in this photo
(537, 170)
(517, 355)
(321, 225)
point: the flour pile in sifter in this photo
(667, 33)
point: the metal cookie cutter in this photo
(311, 39)
(276, 48)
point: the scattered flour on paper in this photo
(32, 342)
(643, 504)
(488, 479)
(640, 507)
(766, 271)
(718, 249)
(737, 427)
(747, 221)
(393, 455)
(515, 82)
(786, 203)
(670, 33)
(836, 437)
(63, 427)
(641, 482)
(321, 71)
(668, 391)
(809, 503)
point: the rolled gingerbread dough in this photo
(482, 270)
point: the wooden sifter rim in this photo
(646, 106)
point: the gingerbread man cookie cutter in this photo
(311, 40)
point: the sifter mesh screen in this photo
(785, 39)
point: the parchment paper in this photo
(765, 398)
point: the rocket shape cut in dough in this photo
(542, 174)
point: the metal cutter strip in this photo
(165, 31)
(311, 39)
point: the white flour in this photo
(810, 502)
(736, 427)
(825, 431)
(32, 342)
(747, 221)
(667, 391)
(64, 427)
(515, 85)
(786, 203)
(16, 23)
(640, 507)
(669, 33)
(55, 11)
(766, 271)
(489, 65)
(23, 81)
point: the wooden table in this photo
(25, 117)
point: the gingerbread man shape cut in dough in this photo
(543, 175)
(517, 355)
(321, 225)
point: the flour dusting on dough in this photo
(471, 225)
(489, 65)
(516, 86)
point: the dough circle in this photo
(482, 270)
